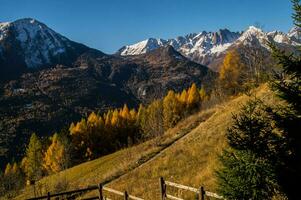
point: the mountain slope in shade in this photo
(209, 47)
(28, 44)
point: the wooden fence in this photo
(100, 188)
(72, 194)
(200, 193)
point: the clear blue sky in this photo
(109, 24)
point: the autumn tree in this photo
(154, 122)
(57, 156)
(12, 177)
(33, 160)
(171, 110)
(203, 94)
(229, 75)
(193, 99)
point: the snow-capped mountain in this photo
(29, 44)
(206, 47)
(194, 46)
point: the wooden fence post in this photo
(162, 188)
(100, 196)
(126, 196)
(48, 195)
(202, 193)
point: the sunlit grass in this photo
(186, 154)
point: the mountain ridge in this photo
(206, 47)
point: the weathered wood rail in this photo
(73, 193)
(201, 193)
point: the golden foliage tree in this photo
(193, 99)
(33, 160)
(56, 157)
(230, 72)
(171, 110)
(203, 94)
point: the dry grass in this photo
(190, 161)
(110, 167)
(186, 154)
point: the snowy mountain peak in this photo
(142, 47)
(204, 47)
(38, 42)
(28, 43)
(190, 44)
(253, 29)
(295, 33)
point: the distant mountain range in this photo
(207, 47)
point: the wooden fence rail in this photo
(201, 193)
(98, 187)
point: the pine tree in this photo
(287, 86)
(248, 170)
(244, 176)
(34, 158)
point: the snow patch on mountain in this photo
(3, 29)
(143, 46)
(205, 46)
(38, 42)
(200, 44)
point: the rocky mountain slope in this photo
(27, 45)
(46, 95)
(208, 48)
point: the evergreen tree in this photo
(287, 86)
(244, 176)
(248, 170)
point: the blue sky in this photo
(109, 24)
